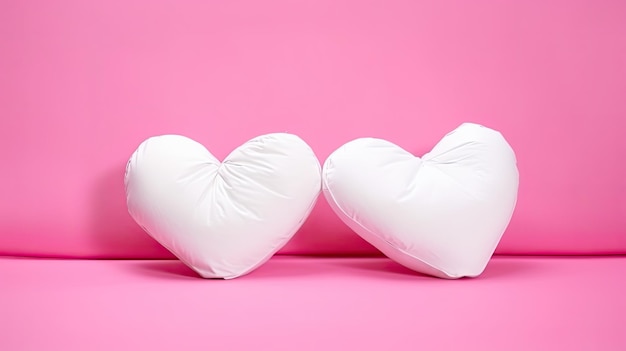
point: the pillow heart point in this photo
(222, 219)
(442, 214)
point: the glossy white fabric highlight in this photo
(442, 214)
(222, 219)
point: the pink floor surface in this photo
(291, 303)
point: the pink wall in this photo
(82, 83)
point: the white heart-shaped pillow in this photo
(442, 214)
(222, 219)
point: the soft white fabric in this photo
(222, 219)
(442, 214)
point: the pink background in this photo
(82, 83)
(312, 304)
